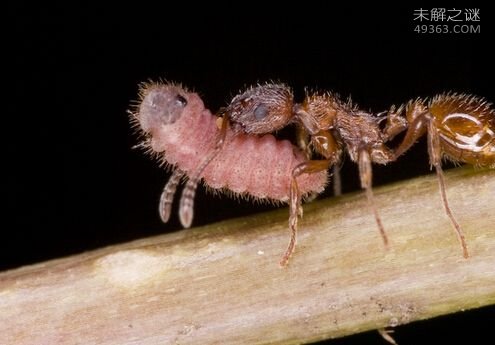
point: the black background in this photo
(74, 183)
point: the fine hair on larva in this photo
(184, 135)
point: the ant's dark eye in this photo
(260, 112)
(181, 100)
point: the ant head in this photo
(261, 109)
(161, 104)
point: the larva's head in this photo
(161, 104)
(165, 111)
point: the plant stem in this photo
(222, 283)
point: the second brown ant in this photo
(459, 127)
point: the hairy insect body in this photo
(247, 165)
(260, 167)
(242, 157)
(459, 127)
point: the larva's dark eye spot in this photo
(181, 100)
(260, 112)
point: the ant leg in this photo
(167, 196)
(435, 154)
(366, 176)
(337, 180)
(186, 206)
(325, 143)
(302, 139)
(419, 123)
(295, 207)
(395, 124)
(303, 142)
(416, 118)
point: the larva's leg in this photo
(167, 196)
(186, 206)
(435, 154)
(366, 177)
(295, 207)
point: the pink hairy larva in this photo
(183, 134)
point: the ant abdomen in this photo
(459, 127)
(466, 127)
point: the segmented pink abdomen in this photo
(261, 167)
(248, 164)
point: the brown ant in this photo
(459, 127)
(330, 125)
